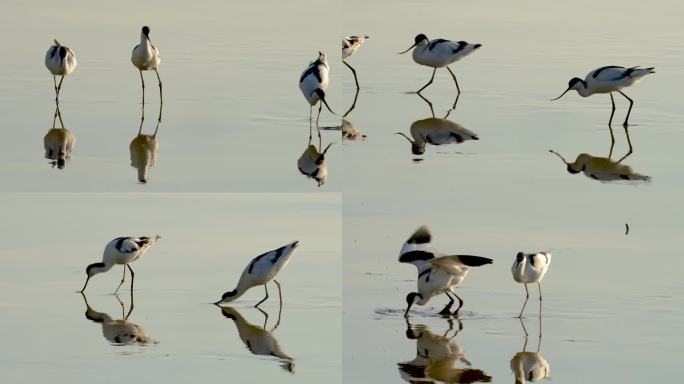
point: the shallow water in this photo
(233, 119)
(207, 239)
(611, 301)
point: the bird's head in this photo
(418, 41)
(228, 297)
(520, 257)
(322, 57)
(94, 269)
(574, 84)
(417, 148)
(413, 298)
(146, 31)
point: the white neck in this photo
(144, 39)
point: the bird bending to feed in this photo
(145, 57)
(435, 131)
(61, 61)
(260, 271)
(530, 268)
(608, 79)
(314, 82)
(349, 46)
(121, 251)
(118, 332)
(602, 168)
(437, 273)
(439, 53)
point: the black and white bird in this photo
(530, 366)
(60, 61)
(603, 169)
(437, 273)
(314, 82)
(145, 57)
(608, 79)
(313, 165)
(121, 251)
(261, 270)
(530, 268)
(349, 46)
(439, 53)
(258, 340)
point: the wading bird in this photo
(118, 332)
(439, 53)
(61, 61)
(144, 148)
(260, 271)
(121, 251)
(530, 268)
(145, 57)
(437, 273)
(608, 79)
(349, 46)
(314, 82)
(58, 142)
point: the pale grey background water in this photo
(613, 303)
(234, 120)
(207, 240)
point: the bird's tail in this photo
(57, 43)
(474, 261)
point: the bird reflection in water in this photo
(119, 332)
(439, 358)
(144, 148)
(437, 131)
(58, 142)
(312, 162)
(258, 339)
(605, 169)
(530, 366)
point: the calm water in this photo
(207, 239)
(234, 120)
(612, 302)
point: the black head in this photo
(62, 52)
(417, 148)
(227, 314)
(420, 38)
(412, 296)
(520, 256)
(61, 162)
(91, 266)
(146, 31)
(572, 169)
(574, 81)
(411, 334)
(228, 295)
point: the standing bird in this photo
(349, 46)
(437, 273)
(61, 61)
(530, 268)
(313, 82)
(122, 251)
(260, 271)
(145, 56)
(439, 53)
(608, 79)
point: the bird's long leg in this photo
(455, 81)
(59, 116)
(161, 97)
(142, 80)
(264, 299)
(526, 334)
(612, 112)
(354, 72)
(132, 275)
(429, 82)
(280, 307)
(453, 106)
(631, 103)
(460, 304)
(527, 296)
(612, 141)
(59, 87)
(158, 120)
(122, 280)
(123, 308)
(130, 310)
(447, 309)
(265, 317)
(320, 107)
(54, 80)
